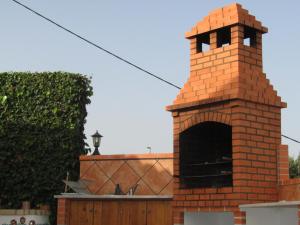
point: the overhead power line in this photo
(96, 45)
(292, 139)
(109, 52)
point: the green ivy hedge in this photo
(42, 117)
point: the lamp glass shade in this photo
(96, 139)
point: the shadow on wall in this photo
(153, 173)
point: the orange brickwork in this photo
(62, 211)
(233, 71)
(229, 15)
(283, 163)
(289, 190)
(227, 85)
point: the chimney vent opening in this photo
(203, 43)
(223, 37)
(249, 37)
(206, 156)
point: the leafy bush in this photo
(42, 117)
(294, 167)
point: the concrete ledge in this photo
(116, 197)
(271, 204)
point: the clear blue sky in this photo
(128, 107)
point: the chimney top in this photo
(226, 61)
(227, 16)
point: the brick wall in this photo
(289, 190)
(62, 211)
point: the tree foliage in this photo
(42, 117)
(294, 167)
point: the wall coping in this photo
(126, 156)
(116, 197)
(271, 204)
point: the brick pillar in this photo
(259, 61)
(193, 46)
(283, 163)
(178, 216)
(62, 211)
(239, 218)
(213, 40)
(237, 34)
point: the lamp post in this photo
(96, 142)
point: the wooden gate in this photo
(120, 212)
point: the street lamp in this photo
(96, 142)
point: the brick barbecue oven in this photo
(227, 121)
(228, 167)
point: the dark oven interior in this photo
(206, 156)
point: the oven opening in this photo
(206, 156)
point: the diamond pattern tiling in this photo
(107, 189)
(125, 176)
(167, 164)
(168, 190)
(143, 189)
(84, 166)
(109, 167)
(141, 166)
(157, 178)
(152, 175)
(98, 178)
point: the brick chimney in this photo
(227, 120)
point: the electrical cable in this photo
(96, 45)
(109, 52)
(292, 139)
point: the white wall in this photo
(208, 218)
(39, 219)
(272, 216)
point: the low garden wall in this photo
(21, 216)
